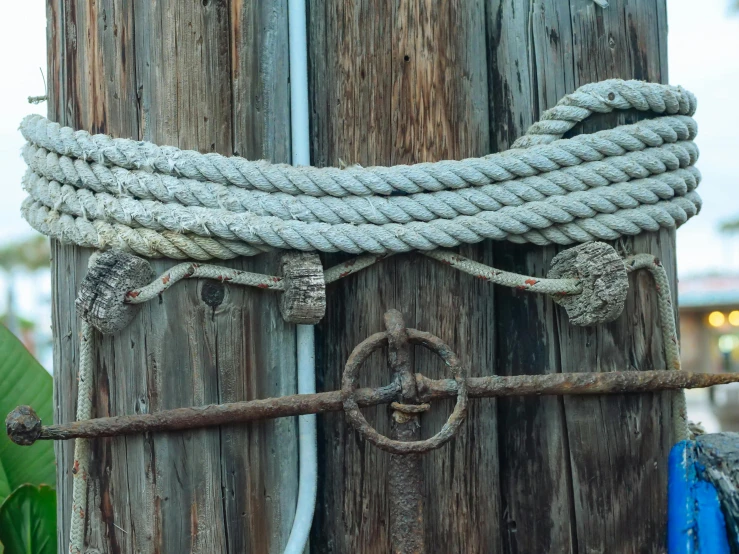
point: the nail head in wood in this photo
(605, 283)
(101, 297)
(23, 425)
(304, 298)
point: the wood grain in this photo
(210, 75)
(580, 474)
(391, 83)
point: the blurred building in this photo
(709, 338)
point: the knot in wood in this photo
(23, 425)
(102, 294)
(604, 281)
(304, 299)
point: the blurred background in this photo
(703, 47)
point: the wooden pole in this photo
(390, 82)
(412, 81)
(209, 75)
(598, 464)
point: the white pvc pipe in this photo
(308, 482)
(307, 439)
(298, 82)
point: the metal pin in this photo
(24, 426)
(405, 476)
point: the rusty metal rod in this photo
(405, 472)
(24, 427)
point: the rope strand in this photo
(159, 201)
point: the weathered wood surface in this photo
(578, 474)
(718, 456)
(210, 75)
(304, 298)
(391, 83)
(413, 81)
(603, 282)
(102, 294)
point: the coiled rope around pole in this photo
(101, 192)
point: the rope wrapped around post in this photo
(159, 201)
(135, 197)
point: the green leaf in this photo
(24, 381)
(4, 486)
(28, 521)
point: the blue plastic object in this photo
(695, 523)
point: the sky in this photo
(703, 57)
(23, 42)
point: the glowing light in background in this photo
(716, 319)
(727, 343)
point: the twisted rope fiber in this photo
(669, 334)
(82, 446)
(101, 192)
(273, 282)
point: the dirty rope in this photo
(159, 201)
(82, 446)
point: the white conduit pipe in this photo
(307, 439)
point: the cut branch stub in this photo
(602, 274)
(100, 301)
(304, 299)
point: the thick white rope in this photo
(101, 192)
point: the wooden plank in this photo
(61, 328)
(578, 451)
(403, 82)
(172, 72)
(260, 468)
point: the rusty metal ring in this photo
(358, 421)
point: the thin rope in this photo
(273, 282)
(159, 201)
(81, 446)
(669, 334)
